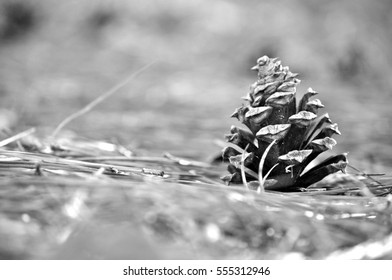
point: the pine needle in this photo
(261, 165)
(365, 174)
(243, 169)
(16, 137)
(99, 99)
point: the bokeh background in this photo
(56, 56)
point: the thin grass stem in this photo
(99, 99)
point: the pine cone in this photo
(283, 138)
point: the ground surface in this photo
(56, 57)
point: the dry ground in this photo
(56, 56)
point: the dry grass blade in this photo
(16, 137)
(243, 176)
(99, 99)
(261, 166)
(371, 177)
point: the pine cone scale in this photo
(293, 135)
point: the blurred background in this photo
(56, 56)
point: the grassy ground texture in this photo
(62, 203)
